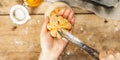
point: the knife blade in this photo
(79, 43)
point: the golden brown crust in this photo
(57, 22)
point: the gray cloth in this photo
(110, 9)
(107, 3)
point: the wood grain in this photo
(22, 42)
(91, 29)
(6, 5)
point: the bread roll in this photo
(57, 22)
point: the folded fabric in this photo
(108, 9)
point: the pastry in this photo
(57, 22)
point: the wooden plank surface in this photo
(22, 42)
(19, 56)
(91, 29)
(22, 37)
(5, 6)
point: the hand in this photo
(52, 48)
(109, 55)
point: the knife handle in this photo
(91, 51)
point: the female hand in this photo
(52, 48)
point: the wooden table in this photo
(21, 42)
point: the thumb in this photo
(44, 26)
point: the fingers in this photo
(61, 12)
(71, 15)
(67, 13)
(44, 26)
(72, 21)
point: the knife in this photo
(65, 34)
